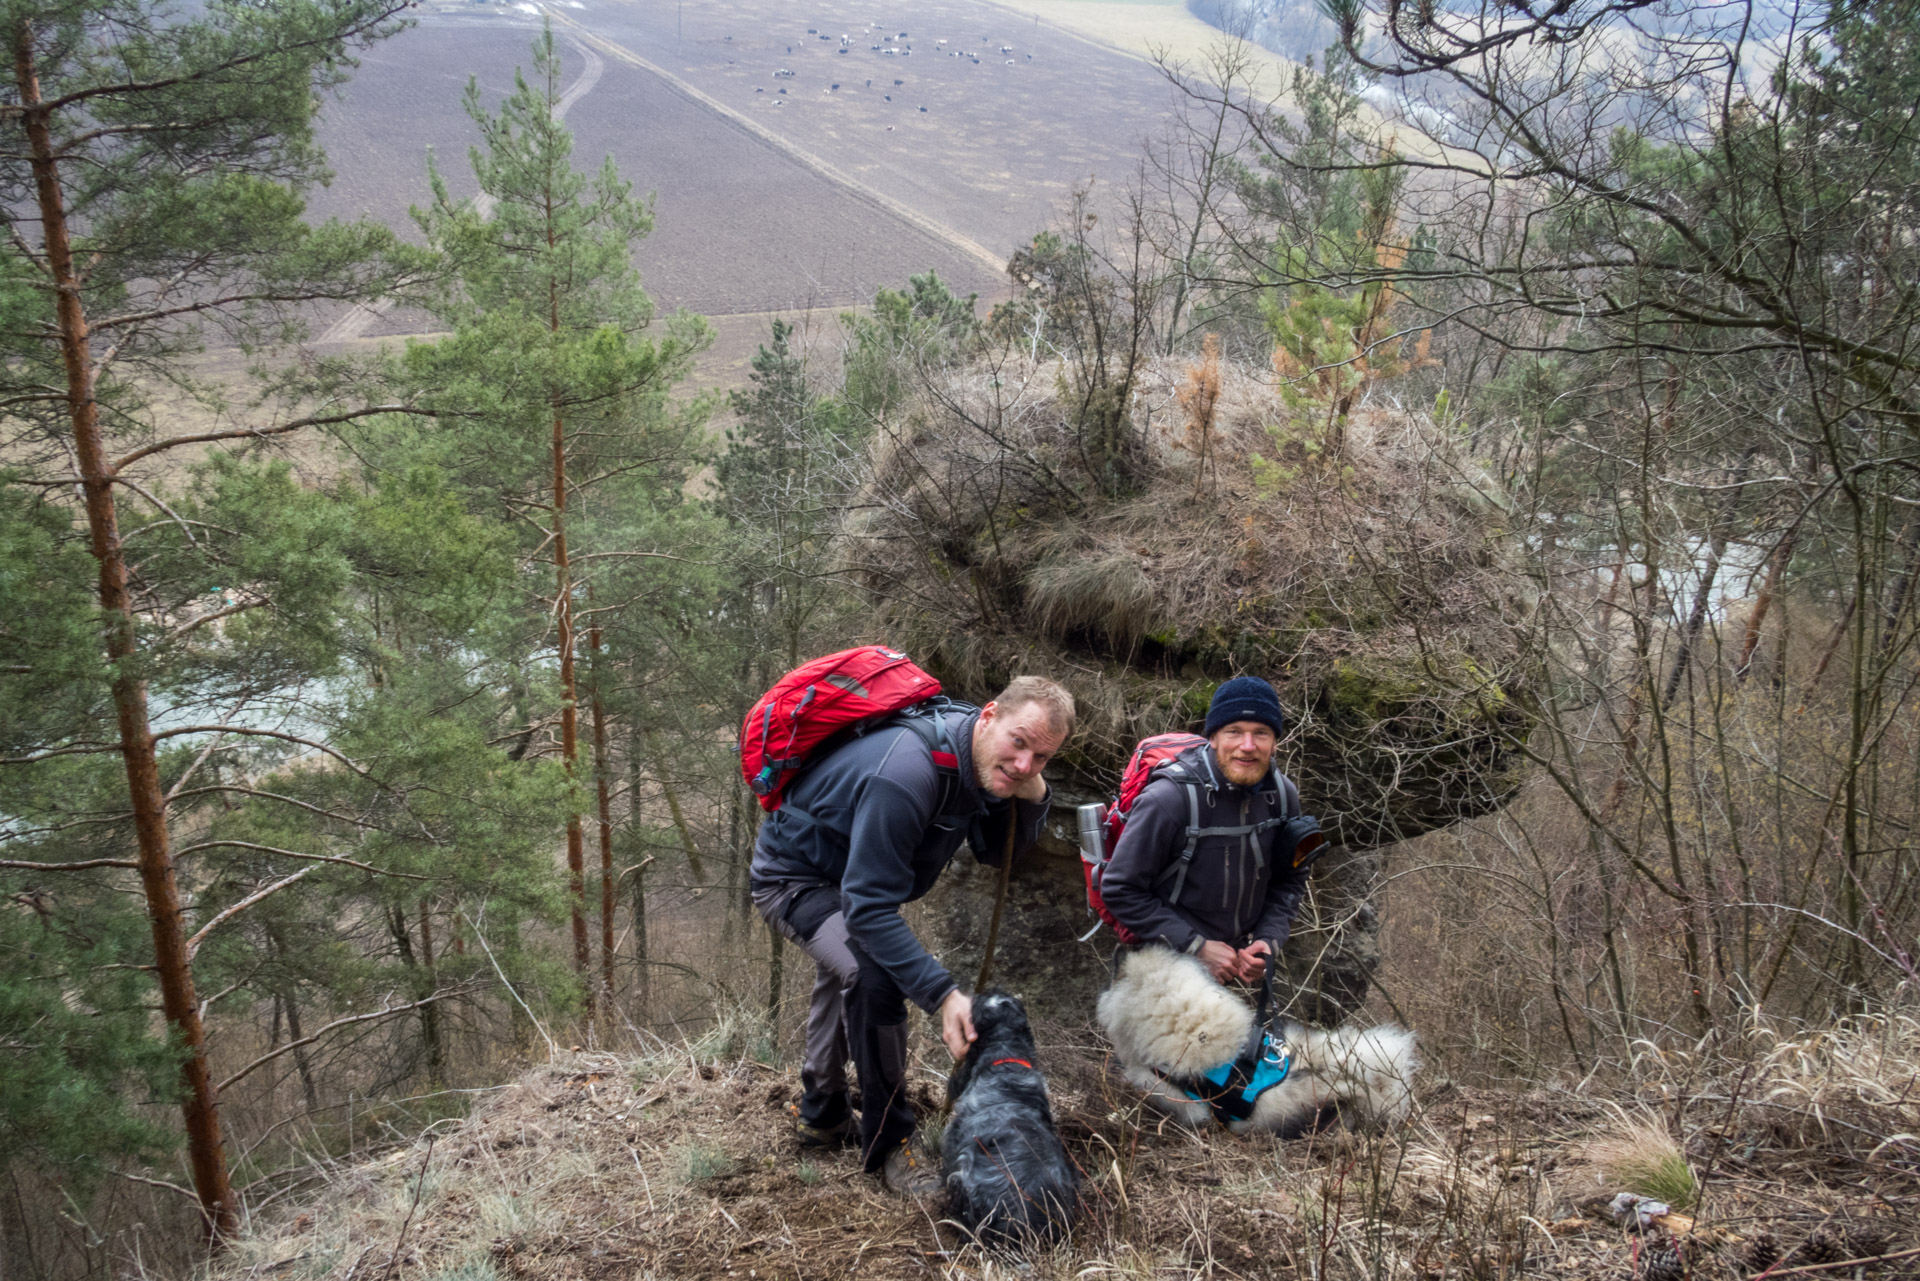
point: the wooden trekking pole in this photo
(999, 897)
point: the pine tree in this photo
(157, 164)
(547, 364)
(791, 465)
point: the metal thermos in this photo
(1093, 832)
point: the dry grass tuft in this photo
(1853, 1088)
(990, 547)
(1640, 1156)
(1108, 595)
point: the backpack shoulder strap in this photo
(1289, 794)
(1192, 787)
(928, 722)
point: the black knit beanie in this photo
(1245, 698)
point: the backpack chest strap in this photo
(1195, 832)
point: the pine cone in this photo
(1866, 1240)
(1663, 1263)
(1823, 1245)
(1763, 1251)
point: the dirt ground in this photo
(680, 1163)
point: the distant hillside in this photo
(798, 158)
(1294, 29)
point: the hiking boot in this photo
(907, 1172)
(836, 1135)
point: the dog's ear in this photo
(962, 1073)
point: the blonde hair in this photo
(1051, 695)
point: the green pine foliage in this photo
(793, 460)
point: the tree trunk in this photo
(776, 979)
(300, 1060)
(171, 967)
(1697, 616)
(430, 1012)
(1832, 646)
(643, 978)
(283, 1000)
(739, 900)
(1763, 604)
(569, 693)
(604, 796)
(679, 815)
(1902, 587)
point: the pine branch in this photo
(256, 733)
(14, 865)
(309, 1039)
(261, 433)
(227, 914)
(197, 846)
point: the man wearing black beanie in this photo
(1199, 867)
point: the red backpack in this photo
(1159, 757)
(850, 690)
(1149, 756)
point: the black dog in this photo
(1009, 1181)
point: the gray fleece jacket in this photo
(1233, 893)
(863, 818)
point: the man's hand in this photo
(1221, 961)
(1032, 788)
(956, 1023)
(1253, 961)
(1248, 964)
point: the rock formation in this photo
(1365, 580)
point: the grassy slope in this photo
(678, 1164)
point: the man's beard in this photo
(1244, 773)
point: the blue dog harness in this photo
(1231, 1090)
(1235, 1089)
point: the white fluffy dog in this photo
(1170, 1022)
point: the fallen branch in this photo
(1777, 1271)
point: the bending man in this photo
(862, 831)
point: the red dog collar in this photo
(1022, 1062)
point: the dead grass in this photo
(1369, 586)
(678, 1163)
(1853, 1088)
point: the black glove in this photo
(1300, 842)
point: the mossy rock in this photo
(1372, 591)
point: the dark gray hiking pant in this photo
(854, 1007)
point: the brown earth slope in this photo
(679, 1164)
